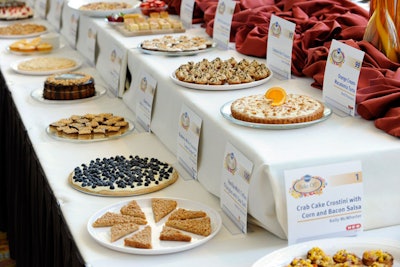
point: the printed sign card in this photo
(145, 89)
(54, 15)
(188, 140)
(341, 78)
(236, 174)
(324, 201)
(41, 8)
(222, 23)
(279, 48)
(186, 14)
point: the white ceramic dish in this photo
(226, 113)
(220, 87)
(76, 4)
(175, 53)
(35, 34)
(38, 95)
(14, 67)
(358, 245)
(32, 53)
(73, 140)
(102, 235)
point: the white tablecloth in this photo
(272, 151)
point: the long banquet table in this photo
(37, 194)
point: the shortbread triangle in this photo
(111, 218)
(141, 239)
(122, 229)
(162, 207)
(199, 226)
(133, 209)
(172, 234)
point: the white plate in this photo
(32, 53)
(220, 87)
(76, 4)
(358, 245)
(226, 113)
(73, 140)
(14, 67)
(102, 234)
(176, 53)
(38, 95)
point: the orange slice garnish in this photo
(277, 95)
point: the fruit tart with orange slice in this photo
(277, 107)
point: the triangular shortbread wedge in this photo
(199, 226)
(133, 209)
(111, 218)
(122, 229)
(183, 214)
(162, 207)
(172, 234)
(141, 239)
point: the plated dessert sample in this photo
(13, 10)
(31, 46)
(156, 23)
(277, 107)
(89, 126)
(22, 29)
(123, 176)
(43, 64)
(169, 43)
(69, 86)
(132, 224)
(222, 72)
(103, 6)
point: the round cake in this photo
(68, 86)
(13, 10)
(295, 109)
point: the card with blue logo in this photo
(324, 201)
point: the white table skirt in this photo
(336, 140)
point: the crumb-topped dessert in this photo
(68, 86)
(22, 29)
(221, 72)
(292, 109)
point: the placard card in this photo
(222, 23)
(186, 13)
(279, 48)
(236, 174)
(91, 44)
(54, 15)
(342, 71)
(73, 28)
(324, 201)
(115, 64)
(145, 89)
(41, 8)
(189, 129)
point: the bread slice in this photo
(141, 239)
(183, 214)
(122, 229)
(172, 234)
(199, 226)
(111, 218)
(133, 209)
(162, 207)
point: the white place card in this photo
(54, 15)
(91, 44)
(342, 71)
(41, 8)
(111, 71)
(236, 174)
(189, 129)
(145, 91)
(186, 13)
(69, 26)
(324, 201)
(280, 45)
(222, 23)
